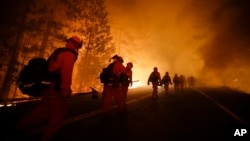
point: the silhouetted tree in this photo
(34, 30)
(15, 21)
(90, 20)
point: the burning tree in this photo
(44, 25)
(89, 19)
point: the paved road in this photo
(192, 114)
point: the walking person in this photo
(54, 107)
(127, 81)
(166, 81)
(190, 81)
(176, 81)
(155, 79)
(112, 87)
(182, 82)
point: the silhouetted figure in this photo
(191, 81)
(126, 81)
(176, 81)
(182, 79)
(113, 89)
(155, 79)
(166, 81)
(54, 108)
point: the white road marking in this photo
(89, 114)
(232, 114)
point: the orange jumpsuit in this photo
(110, 91)
(155, 84)
(166, 80)
(53, 108)
(176, 81)
(129, 74)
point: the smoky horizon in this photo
(205, 39)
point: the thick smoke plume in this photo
(209, 39)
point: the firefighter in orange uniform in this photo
(113, 89)
(53, 108)
(176, 81)
(155, 79)
(166, 80)
(126, 81)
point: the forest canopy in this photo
(34, 28)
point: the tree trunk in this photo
(13, 59)
(45, 39)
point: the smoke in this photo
(208, 39)
(226, 54)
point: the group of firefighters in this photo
(53, 109)
(179, 82)
(117, 86)
(118, 89)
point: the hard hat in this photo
(120, 59)
(114, 57)
(130, 63)
(76, 40)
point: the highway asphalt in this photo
(197, 114)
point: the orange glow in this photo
(136, 85)
(188, 37)
(157, 36)
(206, 39)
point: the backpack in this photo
(165, 79)
(176, 80)
(35, 77)
(153, 77)
(107, 75)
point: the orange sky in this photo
(207, 39)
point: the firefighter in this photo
(155, 79)
(182, 79)
(190, 81)
(126, 81)
(112, 89)
(166, 80)
(176, 81)
(54, 108)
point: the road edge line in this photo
(232, 114)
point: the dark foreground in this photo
(192, 114)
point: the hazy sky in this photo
(208, 38)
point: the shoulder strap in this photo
(111, 65)
(72, 51)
